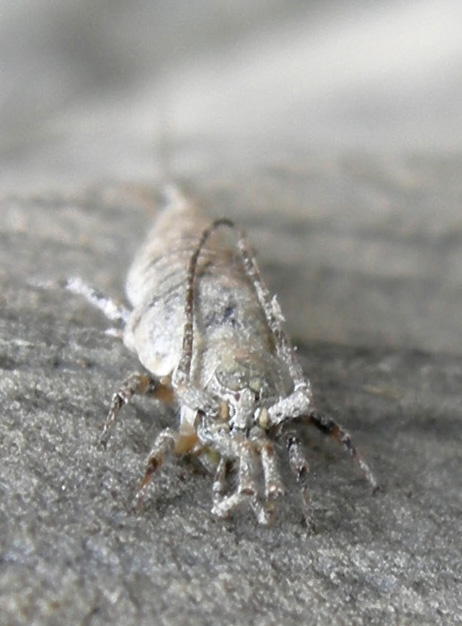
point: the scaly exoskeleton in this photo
(211, 340)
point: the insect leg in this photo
(165, 442)
(273, 483)
(330, 427)
(223, 506)
(291, 407)
(114, 311)
(135, 384)
(298, 401)
(111, 309)
(246, 481)
(300, 468)
(246, 488)
(219, 482)
(263, 515)
(272, 312)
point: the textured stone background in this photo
(353, 203)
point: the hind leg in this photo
(273, 486)
(114, 311)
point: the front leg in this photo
(330, 427)
(292, 406)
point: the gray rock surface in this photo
(332, 134)
(72, 552)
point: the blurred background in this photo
(103, 88)
(331, 130)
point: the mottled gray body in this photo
(233, 344)
(211, 339)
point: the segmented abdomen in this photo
(228, 317)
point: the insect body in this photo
(211, 339)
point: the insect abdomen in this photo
(227, 308)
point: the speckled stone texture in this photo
(372, 297)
